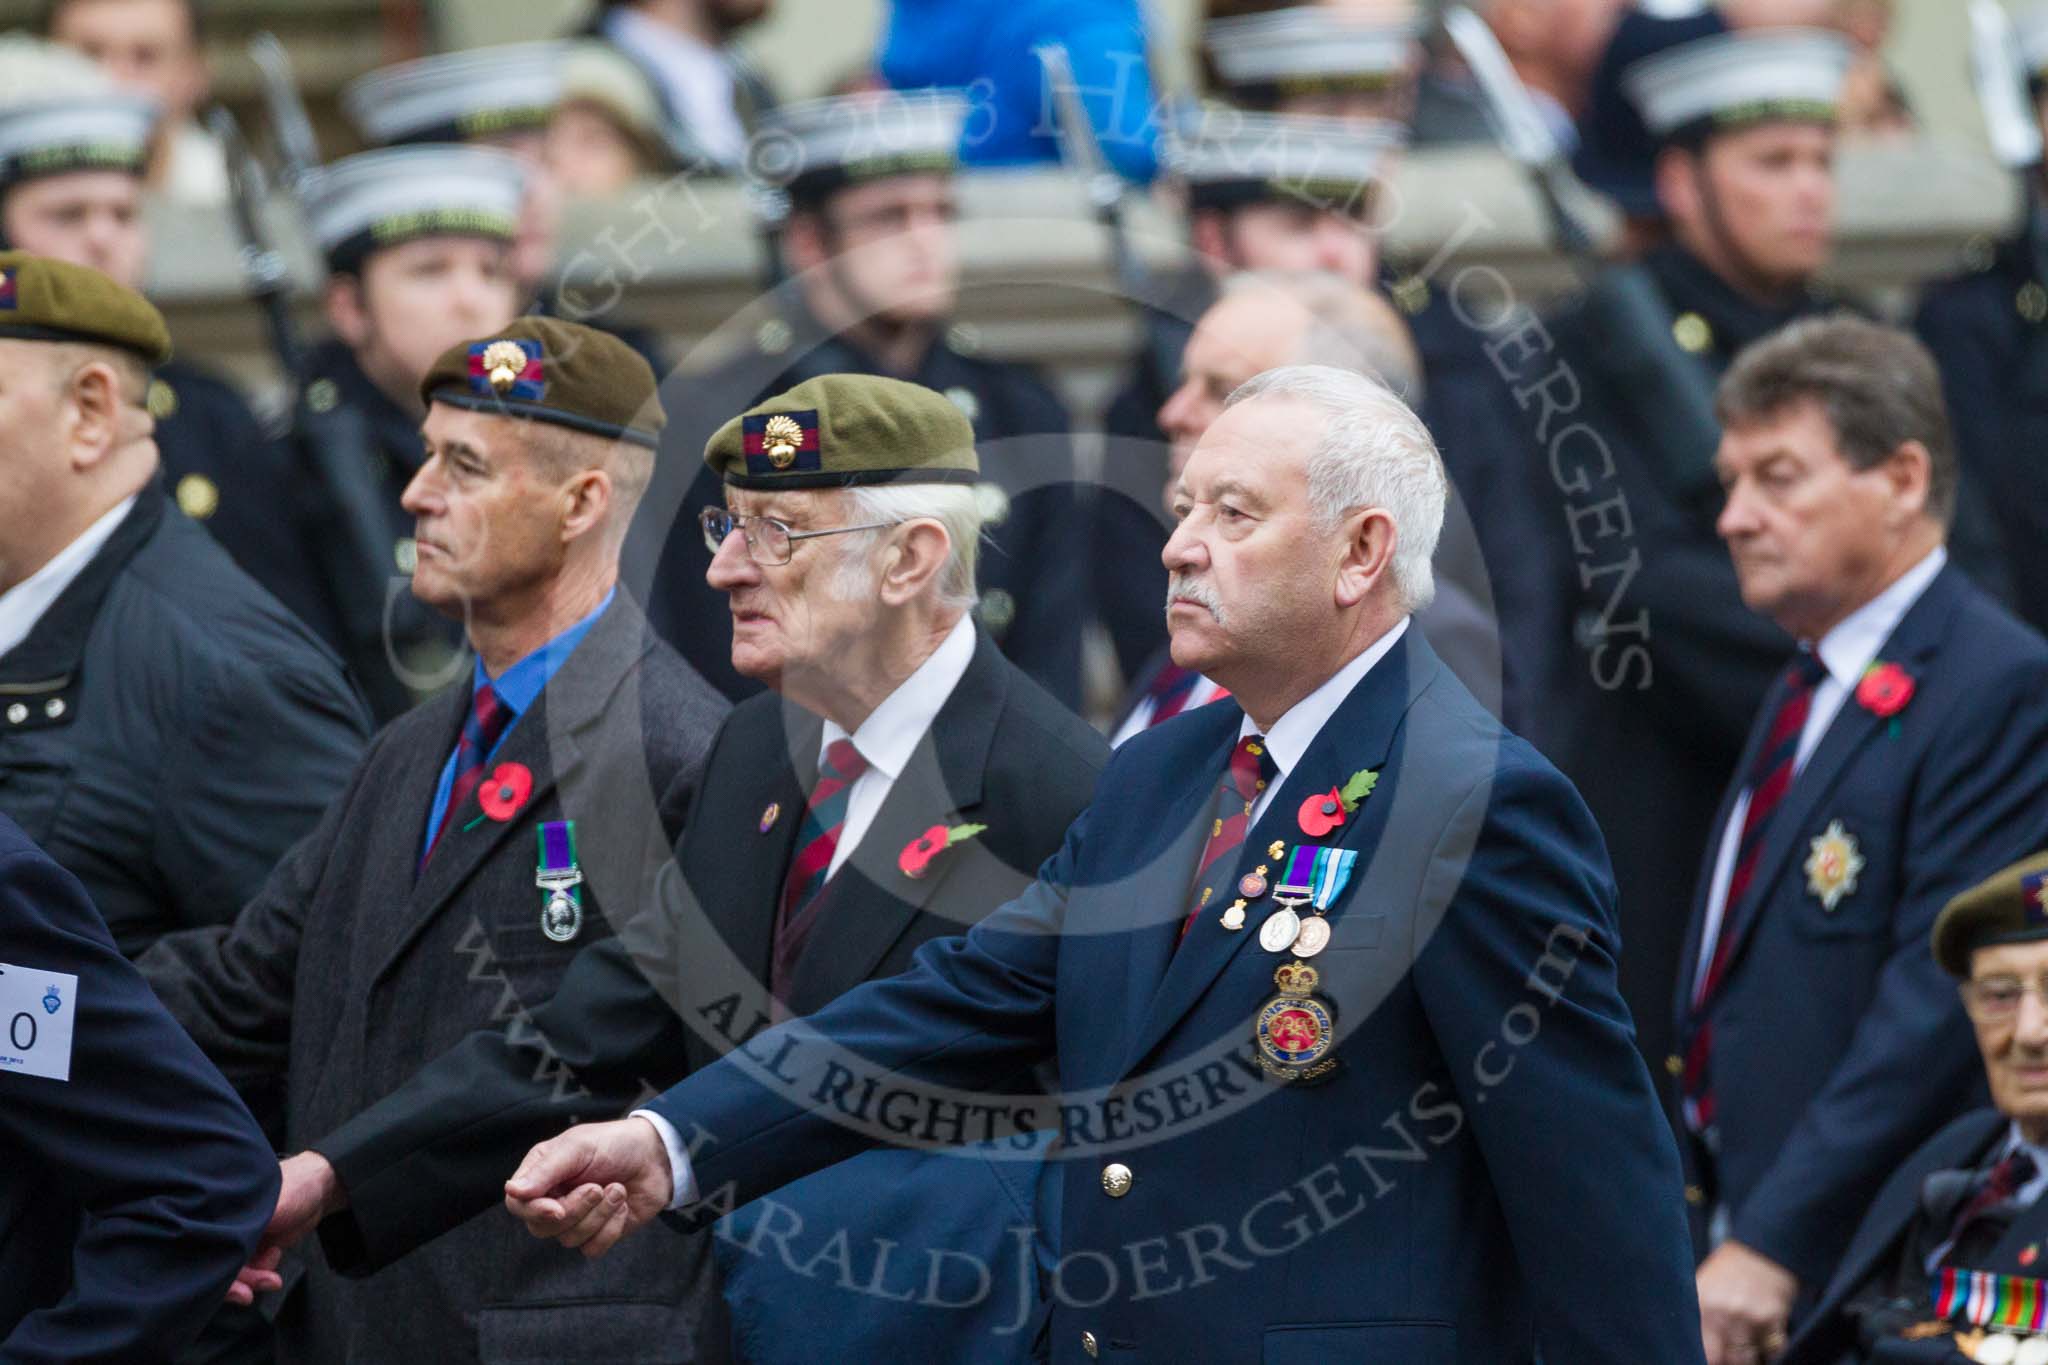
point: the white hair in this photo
(954, 506)
(1373, 451)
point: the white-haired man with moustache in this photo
(1326, 973)
(1262, 320)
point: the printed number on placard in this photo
(36, 1010)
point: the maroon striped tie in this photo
(487, 720)
(1770, 777)
(1250, 768)
(824, 819)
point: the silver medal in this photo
(1276, 935)
(561, 919)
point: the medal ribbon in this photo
(1984, 1298)
(557, 839)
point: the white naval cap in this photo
(457, 95)
(1310, 49)
(1227, 157)
(372, 200)
(107, 130)
(817, 146)
(1740, 78)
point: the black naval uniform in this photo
(428, 645)
(1032, 566)
(229, 474)
(1667, 667)
(1989, 331)
(1128, 524)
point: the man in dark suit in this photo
(874, 257)
(951, 737)
(167, 730)
(1896, 761)
(131, 1178)
(1281, 964)
(484, 838)
(1964, 1211)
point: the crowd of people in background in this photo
(1751, 565)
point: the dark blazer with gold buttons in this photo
(353, 966)
(1838, 1043)
(1487, 1146)
(168, 731)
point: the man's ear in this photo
(345, 308)
(98, 417)
(1368, 554)
(1909, 472)
(1209, 235)
(1676, 178)
(916, 555)
(804, 245)
(587, 503)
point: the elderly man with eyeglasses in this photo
(1947, 1265)
(899, 780)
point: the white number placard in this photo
(36, 1009)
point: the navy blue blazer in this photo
(1827, 1337)
(132, 1192)
(1839, 1045)
(1487, 1168)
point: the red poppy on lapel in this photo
(916, 858)
(505, 791)
(1884, 689)
(1324, 811)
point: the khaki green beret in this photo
(2009, 907)
(843, 429)
(46, 300)
(548, 370)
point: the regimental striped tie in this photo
(1172, 688)
(824, 819)
(1770, 777)
(487, 720)
(1975, 1231)
(1250, 769)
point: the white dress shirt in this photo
(1140, 719)
(886, 739)
(22, 605)
(1291, 735)
(694, 76)
(1846, 651)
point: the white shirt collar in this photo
(1850, 647)
(1291, 735)
(889, 735)
(2033, 1189)
(22, 605)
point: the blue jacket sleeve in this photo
(1518, 982)
(171, 1178)
(972, 1007)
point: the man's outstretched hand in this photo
(593, 1184)
(308, 1191)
